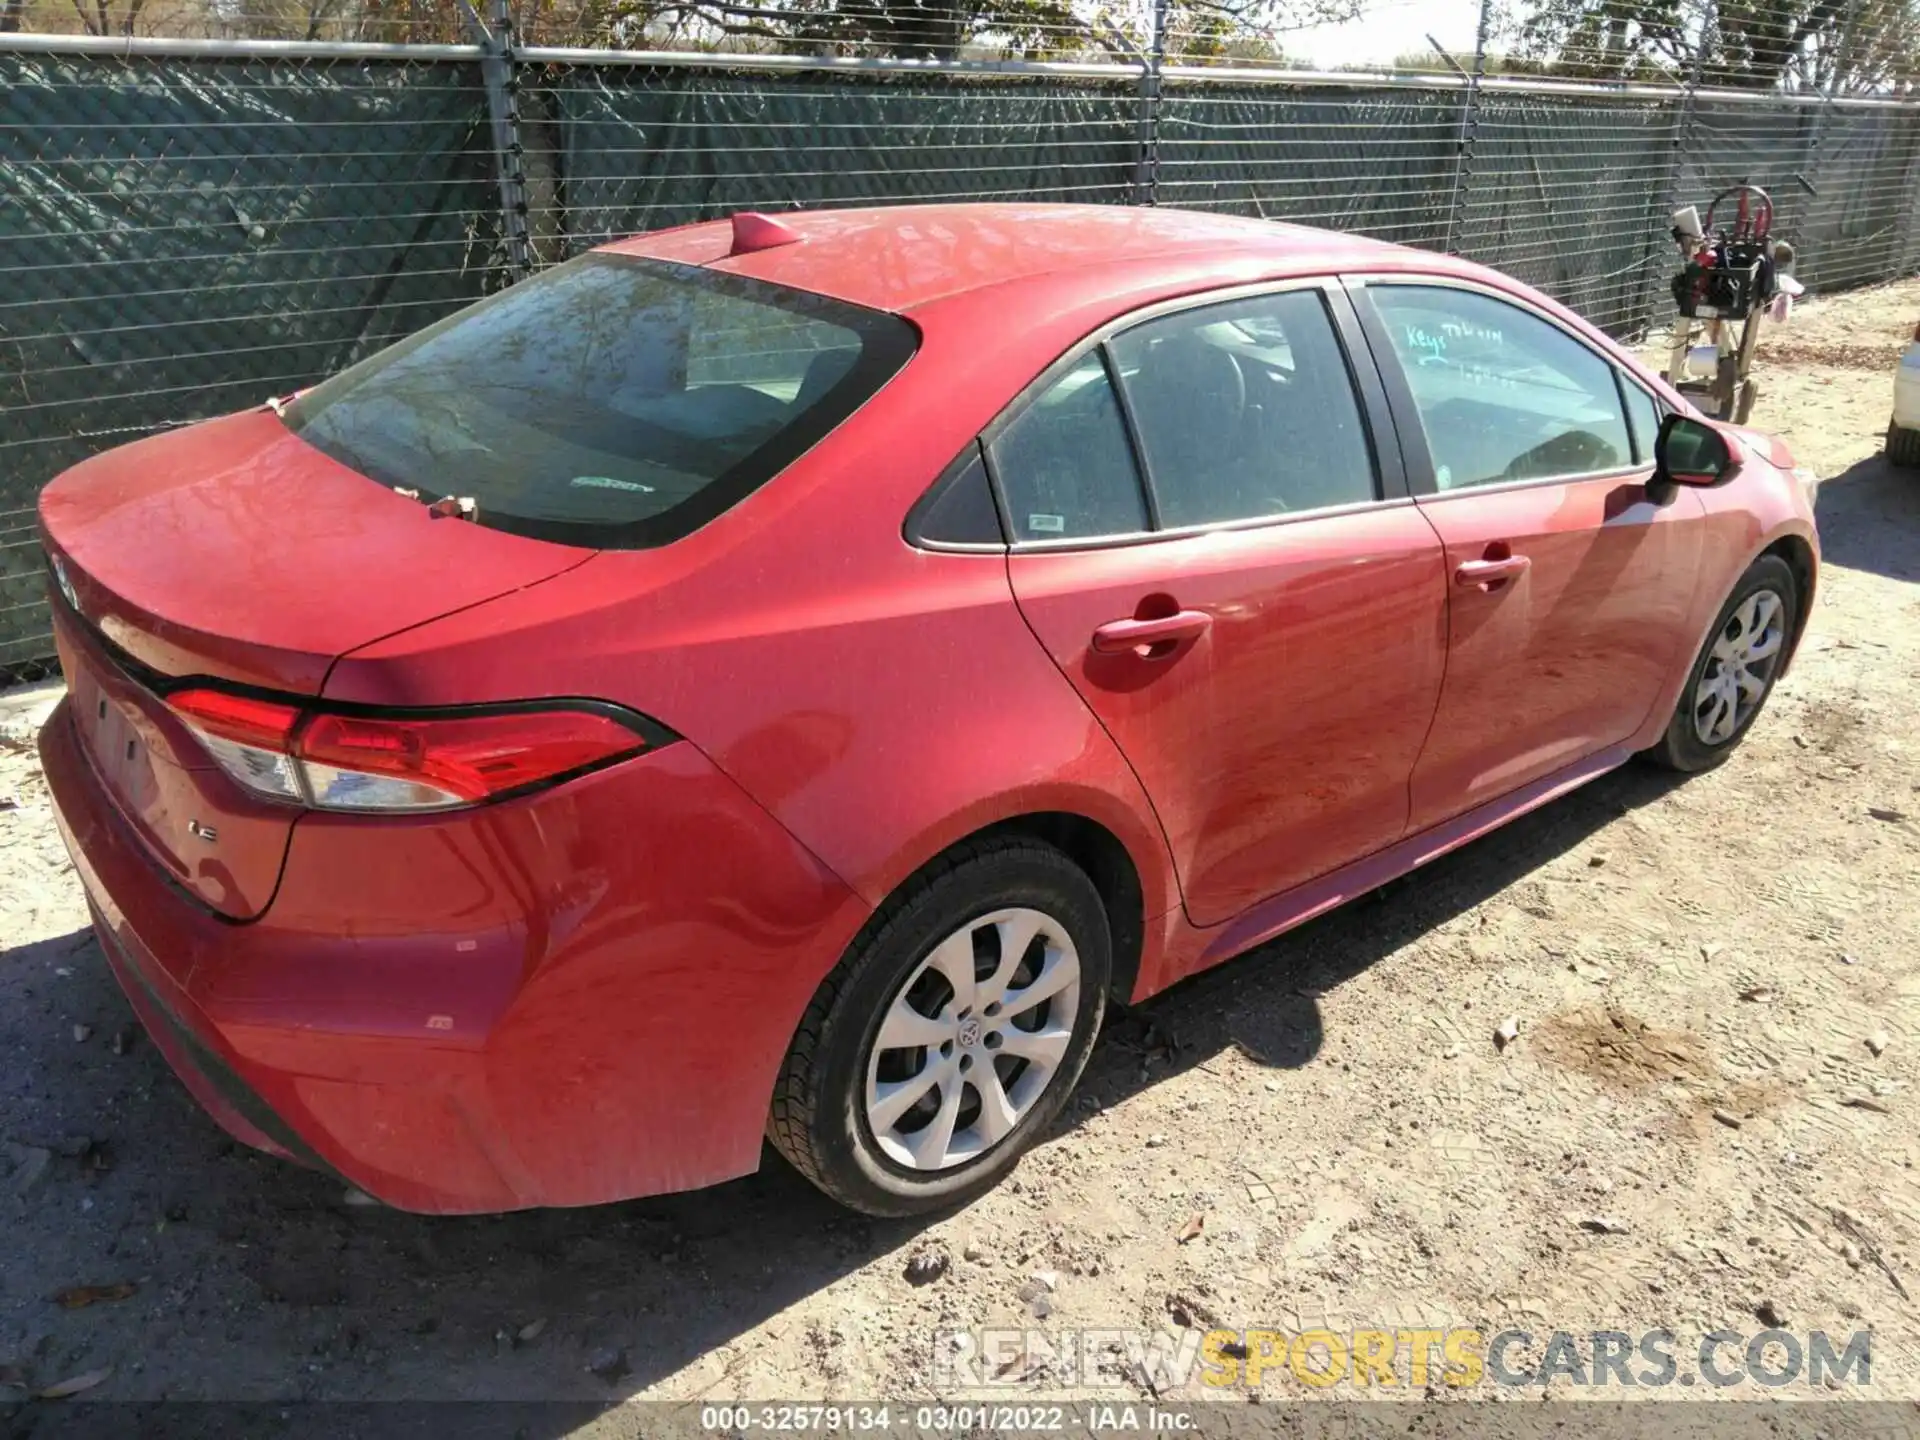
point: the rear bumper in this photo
(576, 997)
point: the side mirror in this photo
(1692, 452)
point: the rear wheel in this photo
(1903, 447)
(1735, 670)
(951, 1033)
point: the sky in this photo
(1388, 29)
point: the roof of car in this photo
(898, 257)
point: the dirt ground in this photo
(1691, 1127)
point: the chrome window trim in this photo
(956, 547)
(1212, 527)
(1587, 477)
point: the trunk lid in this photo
(235, 551)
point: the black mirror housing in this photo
(1693, 452)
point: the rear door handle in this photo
(1117, 637)
(1485, 573)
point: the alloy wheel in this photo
(1740, 666)
(972, 1040)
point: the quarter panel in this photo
(877, 720)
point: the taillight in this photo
(252, 740)
(381, 764)
(335, 761)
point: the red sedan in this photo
(784, 678)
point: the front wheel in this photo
(1735, 670)
(951, 1033)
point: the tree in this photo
(950, 29)
(104, 17)
(1850, 46)
(1197, 30)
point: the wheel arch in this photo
(1100, 853)
(1109, 862)
(1798, 552)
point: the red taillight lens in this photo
(249, 739)
(467, 757)
(396, 763)
(241, 718)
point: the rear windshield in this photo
(612, 401)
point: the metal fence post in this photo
(509, 157)
(1147, 170)
(1816, 137)
(1469, 123)
(1657, 223)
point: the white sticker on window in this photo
(1047, 524)
(1443, 477)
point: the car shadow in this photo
(1266, 1003)
(1869, 518)
(257, 1272)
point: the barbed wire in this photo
(1857, 46)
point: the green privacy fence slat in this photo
(1571, 197)
(1843, 182)
(640, 150)
(1377, 162)
(181, 236)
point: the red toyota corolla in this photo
(785, 678)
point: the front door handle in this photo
(1488, 573)
(1117, 637)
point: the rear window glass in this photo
(612, 401)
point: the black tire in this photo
(1682, 747)
(818, 1119)
(1903, 447)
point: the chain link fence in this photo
(190, 225)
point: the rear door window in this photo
(1065, 465)
(1245, 410)
(613, 401)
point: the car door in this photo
(1207, 541)
(1530, 450)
